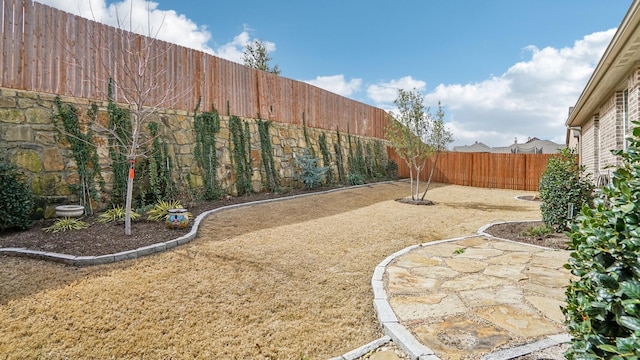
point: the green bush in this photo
(603, 305)
(16, 199)
(563, 183)
(392, 170)
(310, 172)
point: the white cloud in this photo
(142, 17)
(145, 18)
(531, 99)
(385, 93)
(337, 84)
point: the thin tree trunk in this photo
(430, 175)
(127, 214)
(411, 177)
(417, 183)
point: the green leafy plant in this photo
(326, 157)
(563, 187)
(241, 156)
(16, 199)
(160, 210)
(337, 147)
(267, 155)
(458, 251)
(119, 120)
(603, 304)
(84, 151)
(537, 231)
(310, 172)
(66, 224)
(207, 127)
(392, 170)
(357, 166)
(116, 213)
(159, 167)
(356, 178)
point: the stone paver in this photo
(470, 297)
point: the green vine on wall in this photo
(119, 123)
(160, 171)
(337, 147)
(326, 158)
(357, 171)
(84, 152)
(380, 159)
(241, 155)
(267, 155)
(207, 127)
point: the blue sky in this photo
(503, 69)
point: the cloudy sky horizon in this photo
(502, 69)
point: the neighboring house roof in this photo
(620, 57)
(532, 146)
(477, 147)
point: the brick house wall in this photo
(609, 128)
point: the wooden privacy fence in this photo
(487, 170)
(43, 49)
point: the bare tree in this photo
(135, 78)
(416, 135)
(438, 138)
(257, 56)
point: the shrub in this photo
(66, 224)
(562, 183)
(537, 231)
(16, 199)
(117, 213)
(160, 210)
(392, 170)
(356, 179)
(310, 172)
(603, 305)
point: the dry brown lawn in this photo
(284, 280)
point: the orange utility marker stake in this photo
(131, 171)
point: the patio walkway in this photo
(472, 297)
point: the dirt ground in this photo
(283, 280)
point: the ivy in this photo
(160, 167)
(119, 123)
(84, 152)
(267, 155)
(337, 148)
(241, 156)
(326, 157)
(380, 159)
(207, 127)
(357, 166)
(312, 152)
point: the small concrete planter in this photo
(69, 211)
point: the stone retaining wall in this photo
(29, 139)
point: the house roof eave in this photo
(619, 57)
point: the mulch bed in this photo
(516, 231)
(102, 239)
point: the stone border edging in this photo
(159, 247)
(363, 350)
(403, 337)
